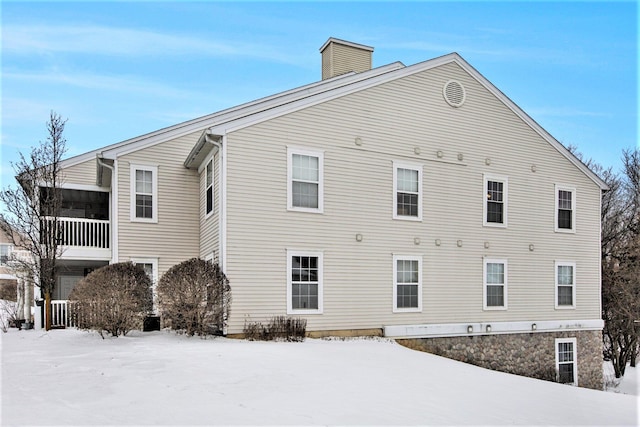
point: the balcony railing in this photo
(82, 232)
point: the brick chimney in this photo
(340, 57)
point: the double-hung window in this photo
(566, 361)
(5, 253)
(495, 201)
(407, 191)
(150, 266)
(304, 282)
(407, 283)
(495, 284)
(565, 218)
(209, 188)
(144, 193)
(305, 180)
(565, 284)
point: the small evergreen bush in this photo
(279, 328)
(112, 299)
(195, 297)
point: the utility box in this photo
(151, 323)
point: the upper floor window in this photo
(407, 191)
(144, 193)
(495, 201)
(305, 180)
(565, 284)
(5, 253)
(304, 282)
(209, 187)
(407, 283)
(565, 209)
(566, 361)
(495, 284)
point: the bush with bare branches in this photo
(112, 299)
(194, 296)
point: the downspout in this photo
(223, 197)
(114, 208)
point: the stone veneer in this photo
(529, 354)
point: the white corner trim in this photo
(497, 328)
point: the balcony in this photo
(82, 228)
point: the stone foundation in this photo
(530, 355)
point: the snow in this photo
(70, 377)
(628, 384)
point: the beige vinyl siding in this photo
(340, 59)
(175, 237)
(392, 120)
(83, 173)
(210, 225)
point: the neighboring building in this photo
(14, 281)
(415, 202)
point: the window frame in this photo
(305, 253)
(154, 192)
(410, 166)
(572, 190)
(505, 200)
(291, 151)
(571, 264)
(401, 257)
(154, 279)
(505, 283)
(209, 188)
(572, 341)
(9, 247)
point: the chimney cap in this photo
(345, 43)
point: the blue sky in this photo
(117, 70)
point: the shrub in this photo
(279, 328)
(195, 297)
(113, 299)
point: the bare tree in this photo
(31, 210)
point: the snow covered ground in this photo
(70, 377)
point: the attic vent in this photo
(454, 93)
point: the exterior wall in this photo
(407, 120)
(210, 225)
(83, 173)
(175, 237)
(530, 355)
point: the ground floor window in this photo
(150, 266)
(407, 283)
(304, 282)
(566, 361)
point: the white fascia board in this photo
(496, 328)
(346, 43)
(531, 122)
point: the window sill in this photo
(408, 218)
(565, 307)
(485, 308)
(305, 210)
(494, 225)
(295, 312)
(565, 230)
(407, 310)
(145, 220)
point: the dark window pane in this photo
(565, 295)
(495, 296)
(407, 204)
(564, 219)
(565, 373)
(407, 296)
(305, 195)
(304, 296)
(144, 206)
(494, 212)
(209, 199)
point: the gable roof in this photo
(248, 114)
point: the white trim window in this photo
(407, 283)
(144, 193)
(407, 191)
(209, 188)
(150, 266)
(495, 273)
(495, 201)
(5, 253)
(566, 361)
(304, 282)
(565, 212)
(305, 183)
(565, 284)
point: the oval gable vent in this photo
(454, 93)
